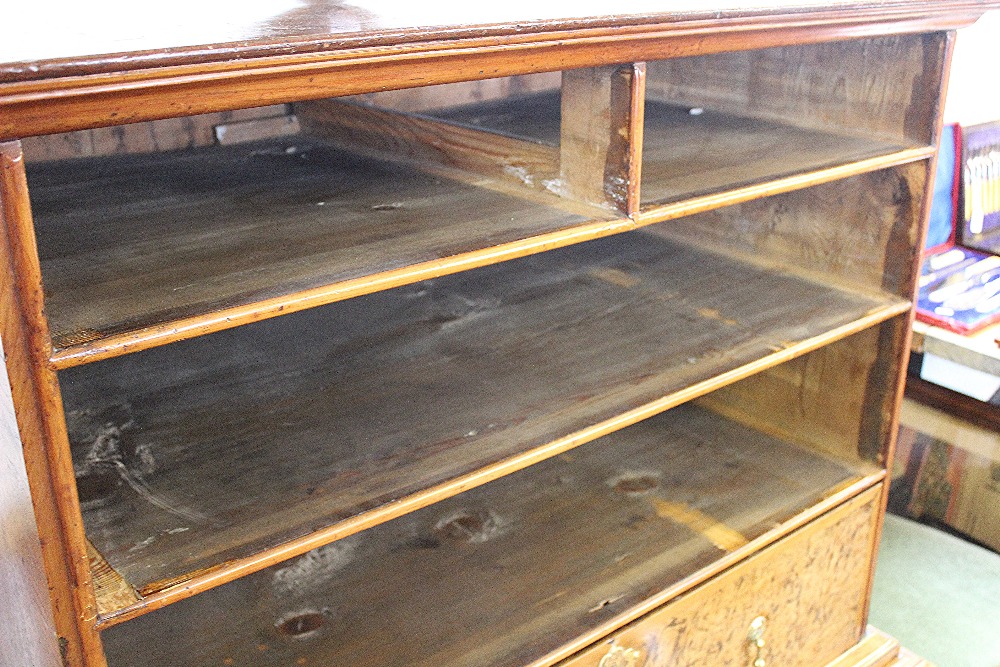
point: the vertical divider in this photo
(41, 422)
(601, 135)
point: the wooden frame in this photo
(588, 186)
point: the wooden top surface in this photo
(66, 66)
(50, 38)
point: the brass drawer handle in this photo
(755, 635)
(620, 657)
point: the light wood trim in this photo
(238, 568)
(824, 511)
(637, 122)
(672, 211)
(41, 422)
(191, 327)
(876, 649)
(396, 135)
(597, 151)
(112, 591)
(85, 101)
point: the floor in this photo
(937, 594)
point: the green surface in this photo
(939, 595)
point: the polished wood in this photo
(57, 95)
(821, 568)
(548, 341)
(472, 580)
(41, 425)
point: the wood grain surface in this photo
(810, 588)
(376, 398)
(859, 231)
(53, 94)
(503, 574)
(685, 155)
(884, 87)
(132, 241)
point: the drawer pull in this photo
(755, 635)
(620, 657)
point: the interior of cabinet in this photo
(361, 194)
(499, 355)
(738, 118)
(506, 573)
(332, 414)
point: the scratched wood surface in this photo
(341, 409)
(809, 587)
(881, 87)
(135, 240)
(861, 231)
(685, 154)
(505, 573)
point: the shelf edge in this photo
(198, 325)
(235, 569)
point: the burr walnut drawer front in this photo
(804, 597)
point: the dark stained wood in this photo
(41, 427)
(127, 243)
(686, 155)
(596, 162)
(857, 231)
(399, 136)
(379, 398)
(506, 573)
(985, 415)
(536, 117)
(50, 93)
(829, 401)
(883, 87)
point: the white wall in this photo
(974, 91)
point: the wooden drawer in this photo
(810, 587)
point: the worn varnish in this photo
(810, 589)
(132, 241)
(884, 87)
(379, 397)
(860, 231)
(693, 150)
(506, 573)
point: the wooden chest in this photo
(485, 336)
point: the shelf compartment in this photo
(688, 155)
(333, 420)
(508, 573)
(142, 250)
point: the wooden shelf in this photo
(506, 573)
(141, 250)
(686, 155)
(336, 419)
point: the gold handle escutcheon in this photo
(755, 635)
(619, 656)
